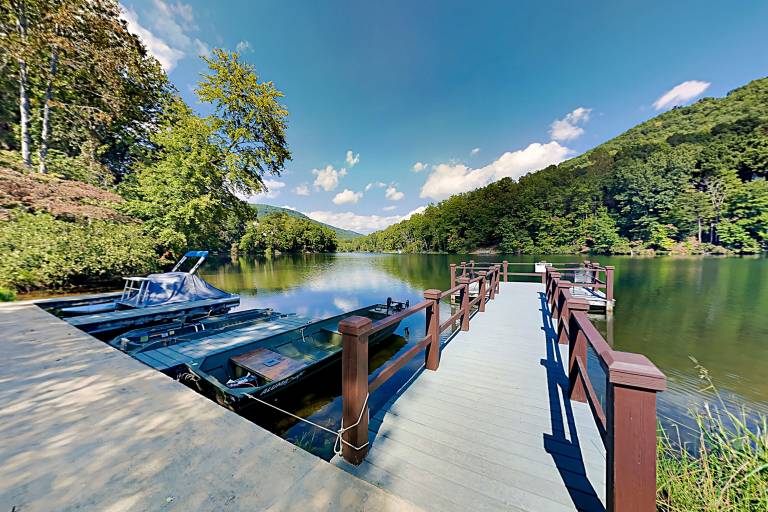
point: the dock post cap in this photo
(609, 267)
(354, 325)
(578, 305)
(463, 280)
(634, 370)
(564, 284)
(432, 294)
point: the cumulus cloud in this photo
(681, 94)
(271, 191)
(393, 194)
(301, 190)
(352, 159)
(419, 166)
(347, 197)
(328, 178)
(571, 126)
(474, 151)
(243, 47)
(175, 22)
(448, 179)
(360, 223)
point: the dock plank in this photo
(491, 429)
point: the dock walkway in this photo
(85, 427)
(493, 428)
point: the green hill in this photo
(692, 179)
(266, 209)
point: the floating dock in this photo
(86, 427)
(493, 428)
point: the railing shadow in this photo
(565, 452)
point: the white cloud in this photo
(175, 22)
(301, 190)
(360, 223)
(393, 194)
(243, 47)
(272, 190)
(569, 127)
(389, 208)
(289, 207)
(474, 151)
(448, 179)
(376, 184)
(419, 166)
(352, 159)
(328, 178)
(347, 197)
(681, 93)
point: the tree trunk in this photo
(24, 89)
(698, 222)
(46, 128)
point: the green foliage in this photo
(729, 470)
(266, 209)
(39, 251)
(285, 233)
(7, 294)
(693, 173)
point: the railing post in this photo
(453, 275)
(554, 277)
(633, 382)
(354, 386)
(432, 353)
(496, 279)
(557, 306)
(505, 265)
(577, 349)
(464, 303)
(609, 285)
(490, 285)
(482, 290)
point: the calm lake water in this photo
(668, 308)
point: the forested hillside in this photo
(689, 180)
(104, 169)
(267, 209)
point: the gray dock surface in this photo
(492, 429)
(172, 356)
(85, 427)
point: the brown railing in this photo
(627, 418)
(355, 330)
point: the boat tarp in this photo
(172, 287)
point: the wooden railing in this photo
(627, 418)
(591, 274)
(357, 385)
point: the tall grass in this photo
(727, 470)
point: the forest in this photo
(104, 170)
(691, 180)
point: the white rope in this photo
(337, 444)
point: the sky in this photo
(398, 104)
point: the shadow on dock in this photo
(566, 453)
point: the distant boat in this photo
(268, 365)
(172, 287)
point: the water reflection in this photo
(667, 308)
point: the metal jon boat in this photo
(266, 366)
(182, 331)
(173, 295)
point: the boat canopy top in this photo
(169, 288)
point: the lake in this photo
(668, 308)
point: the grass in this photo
(726, 471)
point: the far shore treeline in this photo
(691, 180)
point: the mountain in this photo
(690, 180)
(266, 209)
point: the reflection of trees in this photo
(249, 273)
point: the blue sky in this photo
(394, 105)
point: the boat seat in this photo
(268, 364)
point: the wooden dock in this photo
(86, 427)
(493, 429)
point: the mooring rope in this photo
(337, 444)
